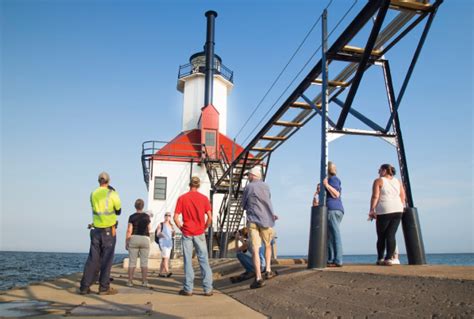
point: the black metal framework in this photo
(228, 177)
(229, 216)
(384, 34)
(382, 11)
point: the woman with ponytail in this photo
(386, 206)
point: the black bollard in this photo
(412, 235)
(317, 253)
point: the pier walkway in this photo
(366, 291)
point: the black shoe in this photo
(183, 292)
(257, 284)
(169, 274)
(242, 277)
(270, 274)
(85, 292)
(162, 275)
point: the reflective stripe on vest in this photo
(106, 206)
(103, 217)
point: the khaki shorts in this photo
(258, 233)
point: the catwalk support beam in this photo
(412, 65)
(363, 63)
(410, 220)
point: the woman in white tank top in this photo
(386, 206)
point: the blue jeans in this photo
(199, 243)
(334, 237)
(246, 260)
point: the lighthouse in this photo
(205, 83)
(192, 83)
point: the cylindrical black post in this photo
(317, 253)
(413, 238)
(209, 49)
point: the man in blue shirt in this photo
(260, 218)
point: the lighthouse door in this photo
(211, 143)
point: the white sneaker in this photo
(129, 283)
(395, 261)
(145, 284)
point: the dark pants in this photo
(101, 257)
(387, 226)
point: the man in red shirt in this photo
(193, 207)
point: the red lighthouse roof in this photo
(187, 147)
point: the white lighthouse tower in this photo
(168, 166)
(191, 82)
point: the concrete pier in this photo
(351, 291)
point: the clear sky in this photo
(84, 83)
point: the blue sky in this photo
(84, 83)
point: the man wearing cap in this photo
(106, 206)
(260, 218)
(193, 207)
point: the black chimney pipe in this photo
(209, 49)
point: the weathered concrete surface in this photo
(361, 291)
(61, 294)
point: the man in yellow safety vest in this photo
(106, 205)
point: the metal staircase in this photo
(230, 212)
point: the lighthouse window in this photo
(210, 139)
(160, 188)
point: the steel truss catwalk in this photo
(379, 42)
